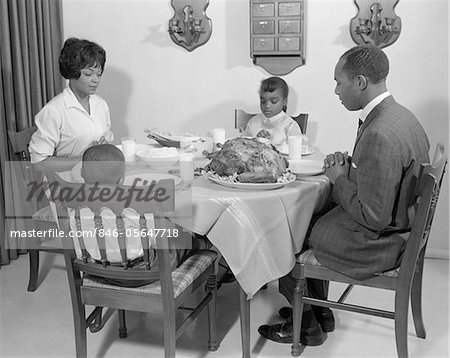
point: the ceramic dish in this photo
(159, 157)
(304, 167)
(309, 151)
(145, 179)
(139, 147)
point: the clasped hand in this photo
(263, 134)
(335, 165)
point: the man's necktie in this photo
(360, 122)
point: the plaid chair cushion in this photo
(308, 258)
(182, 276)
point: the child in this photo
(273, 122)
(105, 164)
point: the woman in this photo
(76, 118)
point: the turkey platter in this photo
(247, 160)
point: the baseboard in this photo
(437, 254)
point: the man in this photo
(365, 232)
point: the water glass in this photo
(129, 149)
(186, 169)
(218, 136)
(295, 147)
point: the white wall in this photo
(151, 82)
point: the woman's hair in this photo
(77, 54)
(103, 163)
(368, 61)
(273, 83)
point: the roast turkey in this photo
(251, 160)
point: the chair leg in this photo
(401, 321)
(34, 269)
(79, 319)
(211, 285)
(122, 325)
(297, 312)
(245, 323)
(416, 301)
(170, 334)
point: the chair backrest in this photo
(427, 189)
(302, 121)
(241, 119)
(20, 140)
(436, 163)
(19, 143)
(157, 198)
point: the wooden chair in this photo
(405, 281)
(171, 287)
(241, 119)
(43, 218)
(302, 121)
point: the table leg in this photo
(244, 306)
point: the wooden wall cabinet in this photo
(277, 34)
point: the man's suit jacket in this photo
(365, 233)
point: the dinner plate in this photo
(250, 186)
(309, 151)
(305, 167)
(138, 146)
(165, 142)
(149, 177)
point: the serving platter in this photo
(249, 186)
(305, 167)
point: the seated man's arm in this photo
(370, 199)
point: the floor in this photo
(39, 324)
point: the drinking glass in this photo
(129, 149)
(186, 169)
(295, 147)
(218, 136)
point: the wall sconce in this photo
(376, 23)
(190, 27)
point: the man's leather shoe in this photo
(323, 315)
(277, 332)
(282, 333)
(325, 318)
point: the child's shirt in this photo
(280, 127)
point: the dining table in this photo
(257, 231)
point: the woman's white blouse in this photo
(280, 127)
(66, 129)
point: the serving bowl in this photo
(159, 157)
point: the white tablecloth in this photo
(257, 232)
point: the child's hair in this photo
(273, 83)
(103, 163)
(77, 54)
